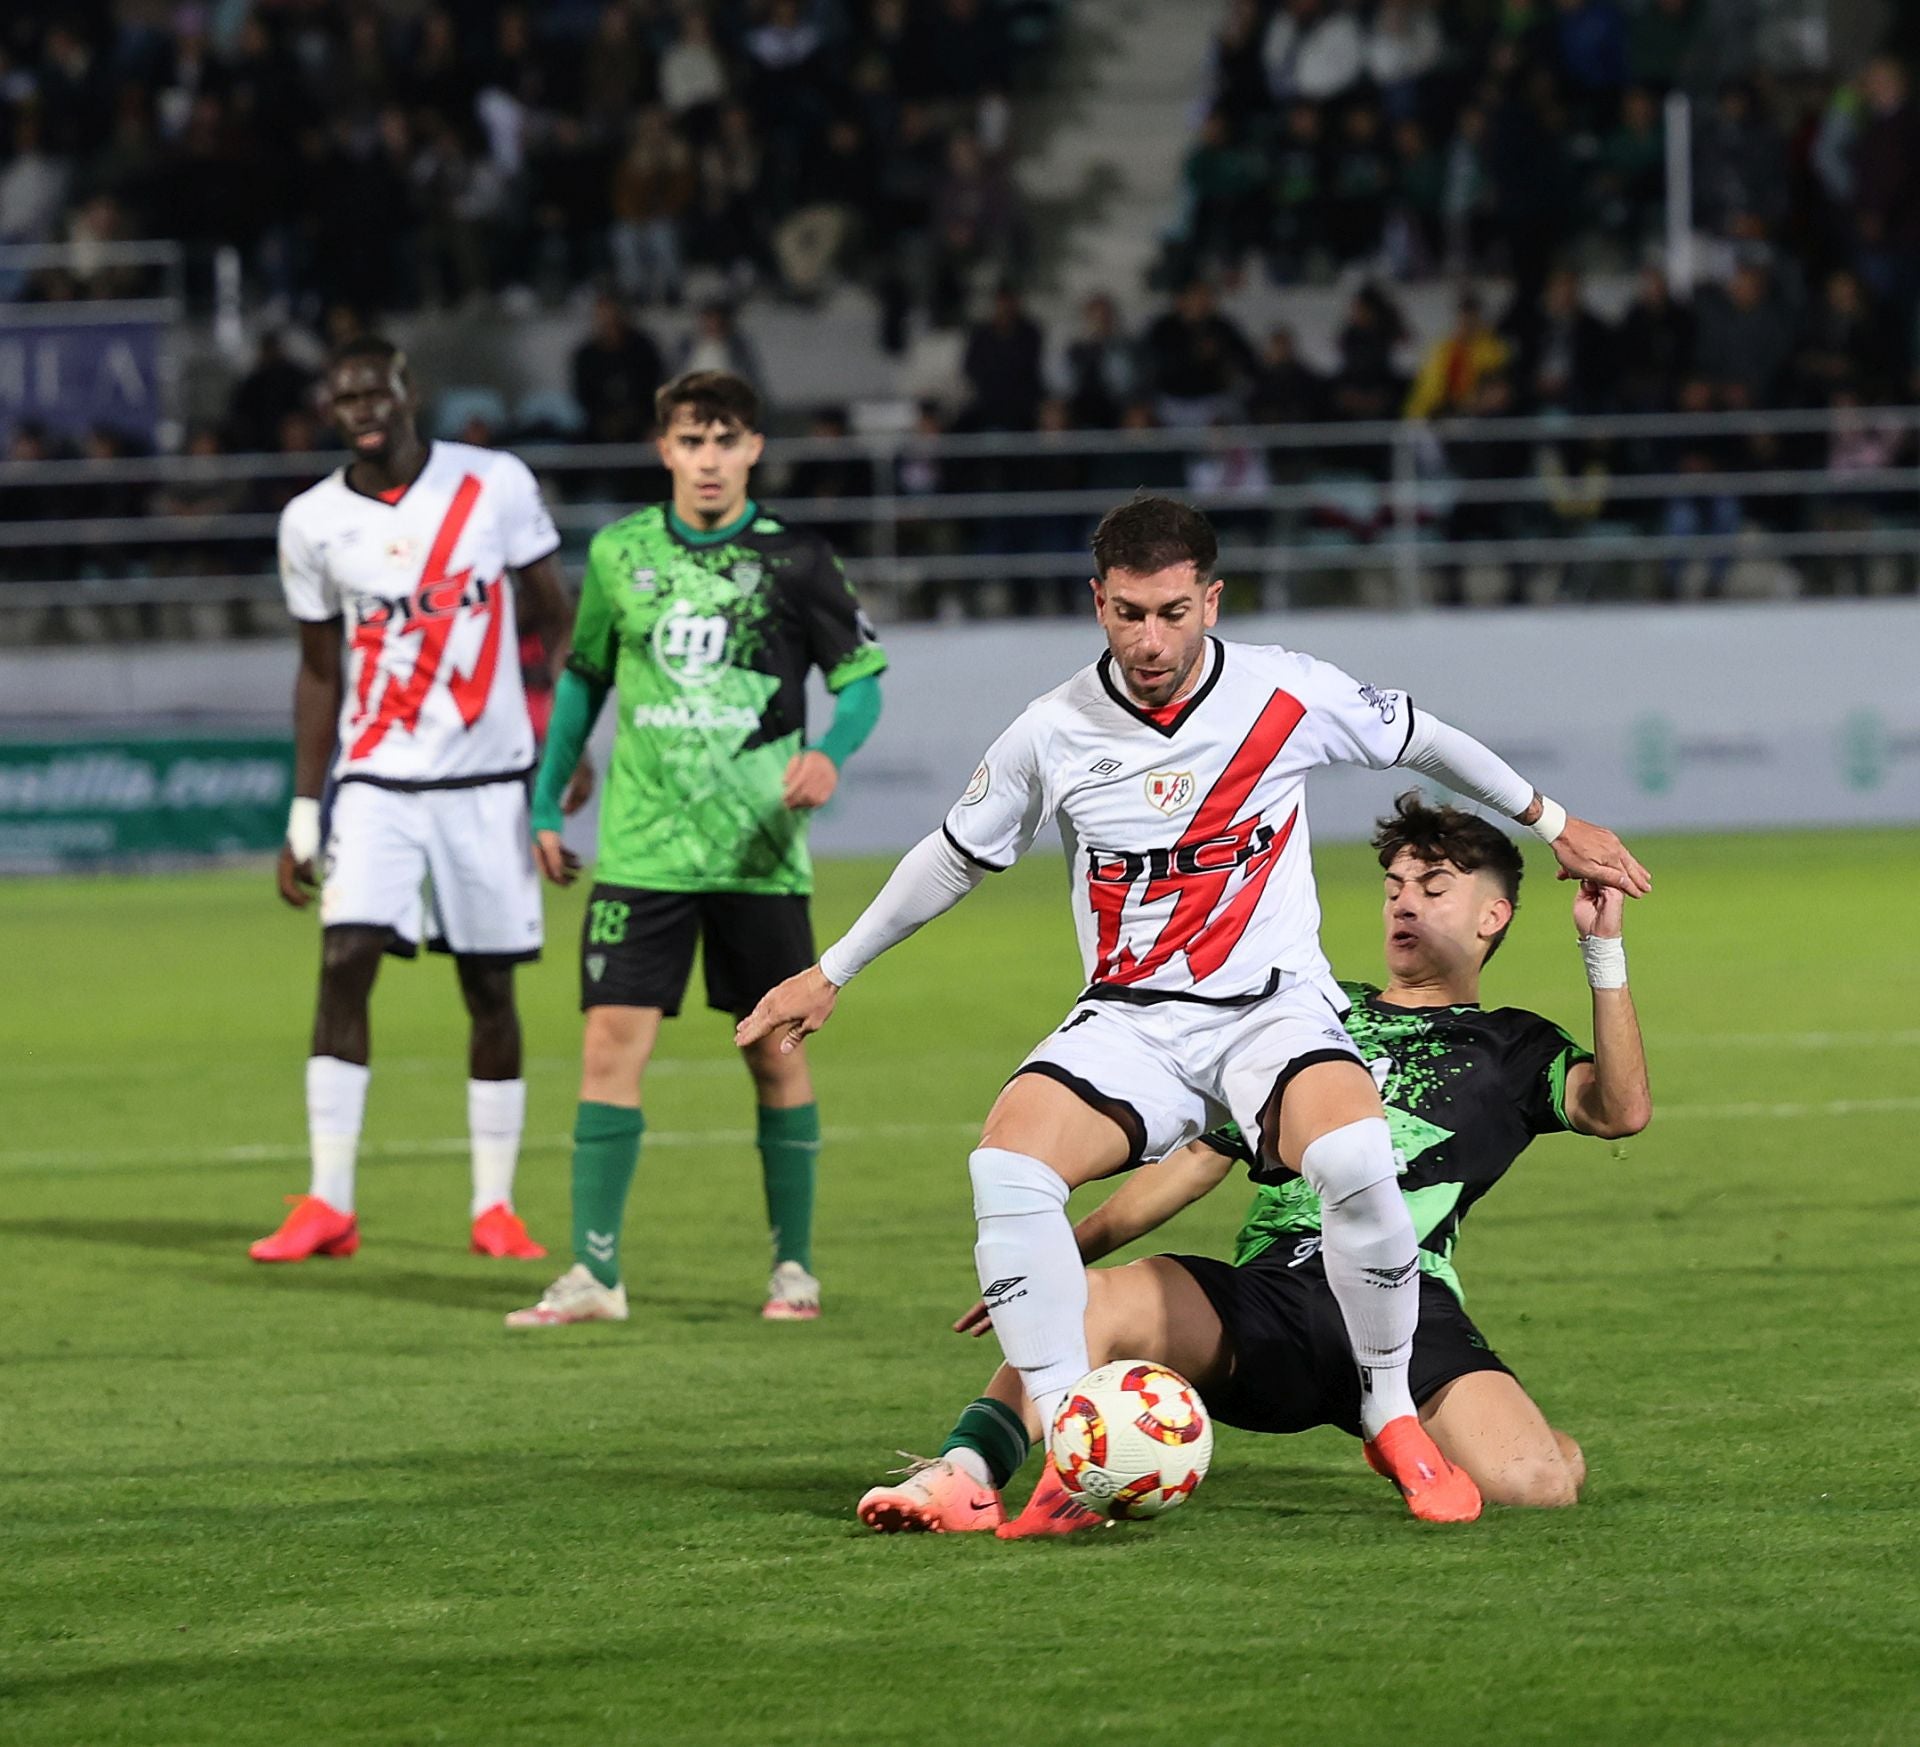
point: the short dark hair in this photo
(1469, 842)
(1147, 534)
(713, 396)
(374, 346)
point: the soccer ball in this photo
(1132, 1439)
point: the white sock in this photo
(336, 1101)
(496, 1113)
(974, 1465)
(1030, 1273)
(1372, 1260)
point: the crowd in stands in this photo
(393, 158)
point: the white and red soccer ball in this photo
(1132, 1439)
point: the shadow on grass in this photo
(199, 1235)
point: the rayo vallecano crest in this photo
(1170, 790)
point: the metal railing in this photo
(1389, 513)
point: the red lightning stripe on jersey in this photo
(1216, 844)
(400, 704)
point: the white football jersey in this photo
(1185, 830)
(433, 693)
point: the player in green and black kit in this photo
(1466, 1090)
(703, 616)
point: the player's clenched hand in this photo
(297, 882)
(556, 860)
(976, 1322)
(796, 1009)
(1591, 852)
(811, 779)
(579, 787)
(1598, 911)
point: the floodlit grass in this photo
(339, 1503)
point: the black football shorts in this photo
(1293, 1365)
(636, 946)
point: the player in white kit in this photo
(401, 569)
(1175, 768)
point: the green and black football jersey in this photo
(1466, 1089)
(707, 639)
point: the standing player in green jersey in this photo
(703, 615)
(1466, 1089)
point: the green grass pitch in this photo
(339, 1503)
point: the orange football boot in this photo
(313, 1228)
(499, 1231)
(1052, 1510)
(1435, 1490)
(935, 1498)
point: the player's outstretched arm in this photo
(1608, 1096)
(317, 689)
(930, 879)
(1584, 850)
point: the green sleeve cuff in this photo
(855, 712)
(576, 706)
(866, 662)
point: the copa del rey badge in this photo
(1170, 790)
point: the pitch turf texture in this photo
(339, 1503)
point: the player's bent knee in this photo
(1534, 1483)
(1347, 1161)
(1012, 1185)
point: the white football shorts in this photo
(1167, 1071)
(451, 866)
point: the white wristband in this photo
(1552, 821)
(303, 828)
(1606, 961)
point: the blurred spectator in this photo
(652, 189)
(1298, 193)
(1198, 362)
(693, 78)
(1843, 345)
(1404, 45)
(1593, 46)
(1561, 350)
(1887, 189)
(1313, 49)
(1002, 368)
(1102, 367)
(1285, 391)
(1660, 42)
(729, 230)
(1225, 183)
(616, 370)
(33, 185)
(1467, 199)
(811, 242)
(1740, 166)
(716, 343)
(1368, 385)
(274, 387)
(1239, 77)
(1455, 364)
(975, 219)
(1743, 338)
(827, 480)
(1147, 464)
(1709, 512)
(1653, 347)
(1417, 229)
(1630, 175)
(1357, 191)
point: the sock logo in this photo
(1002, 1291)
(600, 1245)
(1388, 1278)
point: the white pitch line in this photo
(25, 1163)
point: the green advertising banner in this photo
(84, 803)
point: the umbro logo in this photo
(1106, 767)
(1001, 1287)
(1387, 1278)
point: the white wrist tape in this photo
(303, 828)
(1552, 820)
(1606, 961)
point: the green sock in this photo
(789, 1149)
(992, 1430)
(606, 1147)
